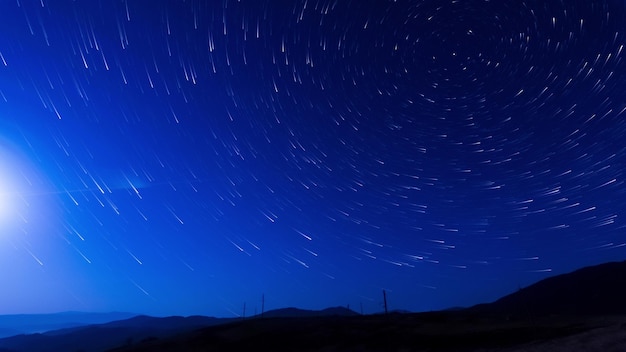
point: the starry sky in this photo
(187, 157)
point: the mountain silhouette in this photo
(588, 302)
(578, 307)
(101, 337)
(15, 324)
(303, 313)
(594, 290)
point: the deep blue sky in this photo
(185, 157)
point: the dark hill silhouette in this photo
(568, 306)
(15, 324)
(594, 290)
(436, 331)
(147, 323)
(303, 313)
(100, 337)
(589, 302)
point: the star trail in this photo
(187, 157)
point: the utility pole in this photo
(385, 300)
(244, 310)
(262, 305)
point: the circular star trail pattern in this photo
(178, 157)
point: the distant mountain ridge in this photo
(15, 324)
(101, 337)
(593, 290)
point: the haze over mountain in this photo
(15, 324)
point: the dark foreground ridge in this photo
(580, 311)
(593, 290)
(440, 331)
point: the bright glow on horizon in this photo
(8, 188)
(5, 204)
(20, 194)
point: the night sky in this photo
(187, 157)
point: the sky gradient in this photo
(185, 157)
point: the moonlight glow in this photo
(24, 194)
(5, 203)
(9, 171)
